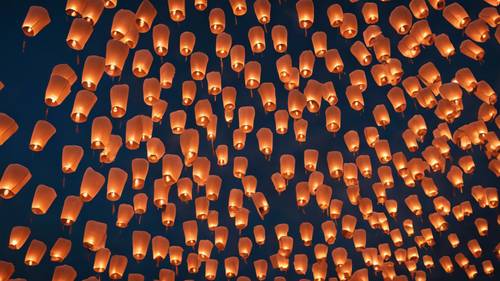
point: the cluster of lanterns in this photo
(376, 56)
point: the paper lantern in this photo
(161, 39)
(177, 10)
(187, 40)
(217, 20)
(93, 69)
(79, 33)
(18, 237)
(42, 199)
(35, 21)
(71, 210)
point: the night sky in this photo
(26, 73)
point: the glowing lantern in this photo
(370, 12)
(93, 69)
(119, 98)
(252, 75)
(361, 53)
(161, 39)
(256, 39)
(478, 31)
(349, 26)
(71, 209)
(217, 20)
(14, 178)
(177, 10)
(18, 236)
(79, 33)
(117, 267)
(36, 19)
(456, 15)
(187, 40)
(60, 250)
(84, 102)
(42, 199)
(335, 15)
(145, 16)
(333, 61)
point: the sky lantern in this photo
(419, 8)
(265, 139)
(189, 145)
(214, 83)
(79, 33)
(333, 119)
(306, 63)
(305, 13)
(60, 250)
(91, 184)
(237, 56)
(489, 15)
(349, 26)
(71, 210)
(117, 267)
(42, 199)
(94, 235)
(178, 121)
(59, 86)
(151, 90)
(177, 10)
(361, 53)
(246, 115)
(239, 7)
(116, 55)
(101, 132)
(158, 109)
(456, 15)
(109, 153)
(119, 99)
(92, 11)
(161, 39)
(252, 75)
(198, 62)
(284, 68)
(188, 92)
(64, 273)
(370, 12)
(187, 40)
(333, 61)
(401, 19)
(35, 253)
(203, 111)
(123, 24)
(140, 168)
(223, 43)
(145, 16)
(279, 35)
(142, 63)
(262, 9)
(335, 15)
(8, 126)
(155, 150)
(256, 39)
(217, 20)
(18, 237)
(84, 102)
(93, 70)
(422, 32)
(478, 31)
(140, 244)
(35, 21)
(229, 97)
(116, 182)
(42, 133)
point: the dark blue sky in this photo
(25, 75)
